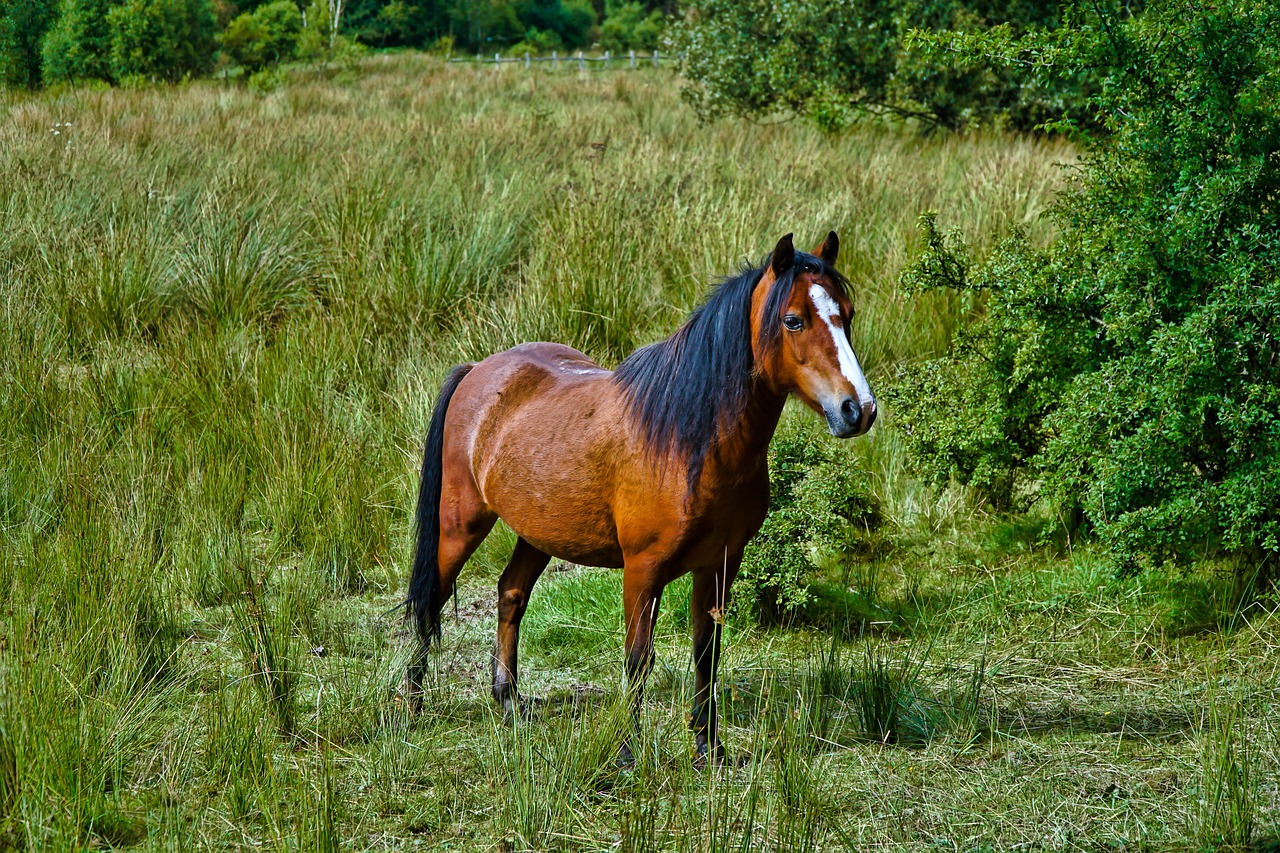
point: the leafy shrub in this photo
(537, 42)
(831, 60)
(78, 47)
(978, 414)
(266, 36)
(627, 26)
(442, 46)
(1131, 372)
(267, 80)
(161, 39)
(814, 505)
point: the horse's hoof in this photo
(702, 760)
(705, 753)
(717, 757)
(517, 712)
(411, 695)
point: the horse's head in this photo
(800, 317)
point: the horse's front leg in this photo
(641, 592)
(708, 600)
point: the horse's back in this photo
(542, 426)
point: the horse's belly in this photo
(559, 520)
(545, 463)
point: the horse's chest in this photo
(724, 521)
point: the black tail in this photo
(423, 604)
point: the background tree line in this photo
(54, 41)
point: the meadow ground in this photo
(225, 317)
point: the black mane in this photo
(683, 389)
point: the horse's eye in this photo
(793, 323)
(810, 266)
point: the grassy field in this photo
(225, 317)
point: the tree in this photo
(1130, 372)
(629, 27)
(161, 39)
(78, 47)
(266, 36)
(23, 24)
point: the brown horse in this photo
(658, 468)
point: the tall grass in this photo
(224, 318)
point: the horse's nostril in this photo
(870, 414)
(850, 411)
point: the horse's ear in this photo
(829, 249)
(784, 254)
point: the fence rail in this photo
(626, 60)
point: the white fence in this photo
(626, 60)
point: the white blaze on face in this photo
(827, 309)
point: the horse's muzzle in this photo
(850, 419)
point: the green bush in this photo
(1131, 372)
(78, 47)
(266, 36)
(161, 39)
(536, 42)
(832, 60)
(815, 506)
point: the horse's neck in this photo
(744, 444)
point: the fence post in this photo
(477, 60)
(497, 62)
(655, 57)
(526, 59)
(582, 65)
(555, 61)
(606, 60)
(633, 59)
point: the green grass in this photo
(224, 318)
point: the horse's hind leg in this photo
(517, 580)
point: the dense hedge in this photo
(831, 60)
(1130, 373)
